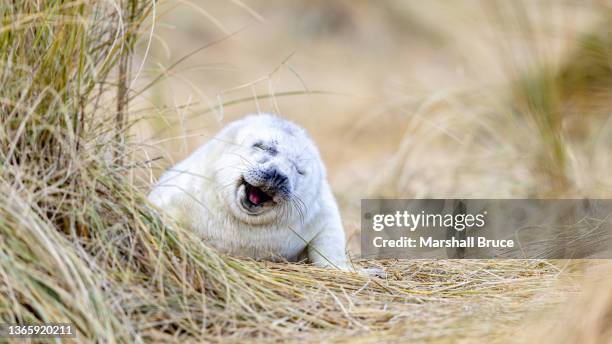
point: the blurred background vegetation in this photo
(488, 99)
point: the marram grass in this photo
(79, 244)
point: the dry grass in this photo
(585, 319)
(80, 244)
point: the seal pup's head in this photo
(269, 170)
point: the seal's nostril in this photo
(275, 178)
(279, 178)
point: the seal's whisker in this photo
(301, 203)
(296, 207)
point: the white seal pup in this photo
(258, 189)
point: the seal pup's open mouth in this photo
(254, 198)
(255, 195)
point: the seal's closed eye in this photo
(268, 148)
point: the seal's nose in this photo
(275, 179)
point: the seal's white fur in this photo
(204, 192)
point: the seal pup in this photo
(257, 189)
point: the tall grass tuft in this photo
(57, 136)
(561, 101)
(537, 100)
